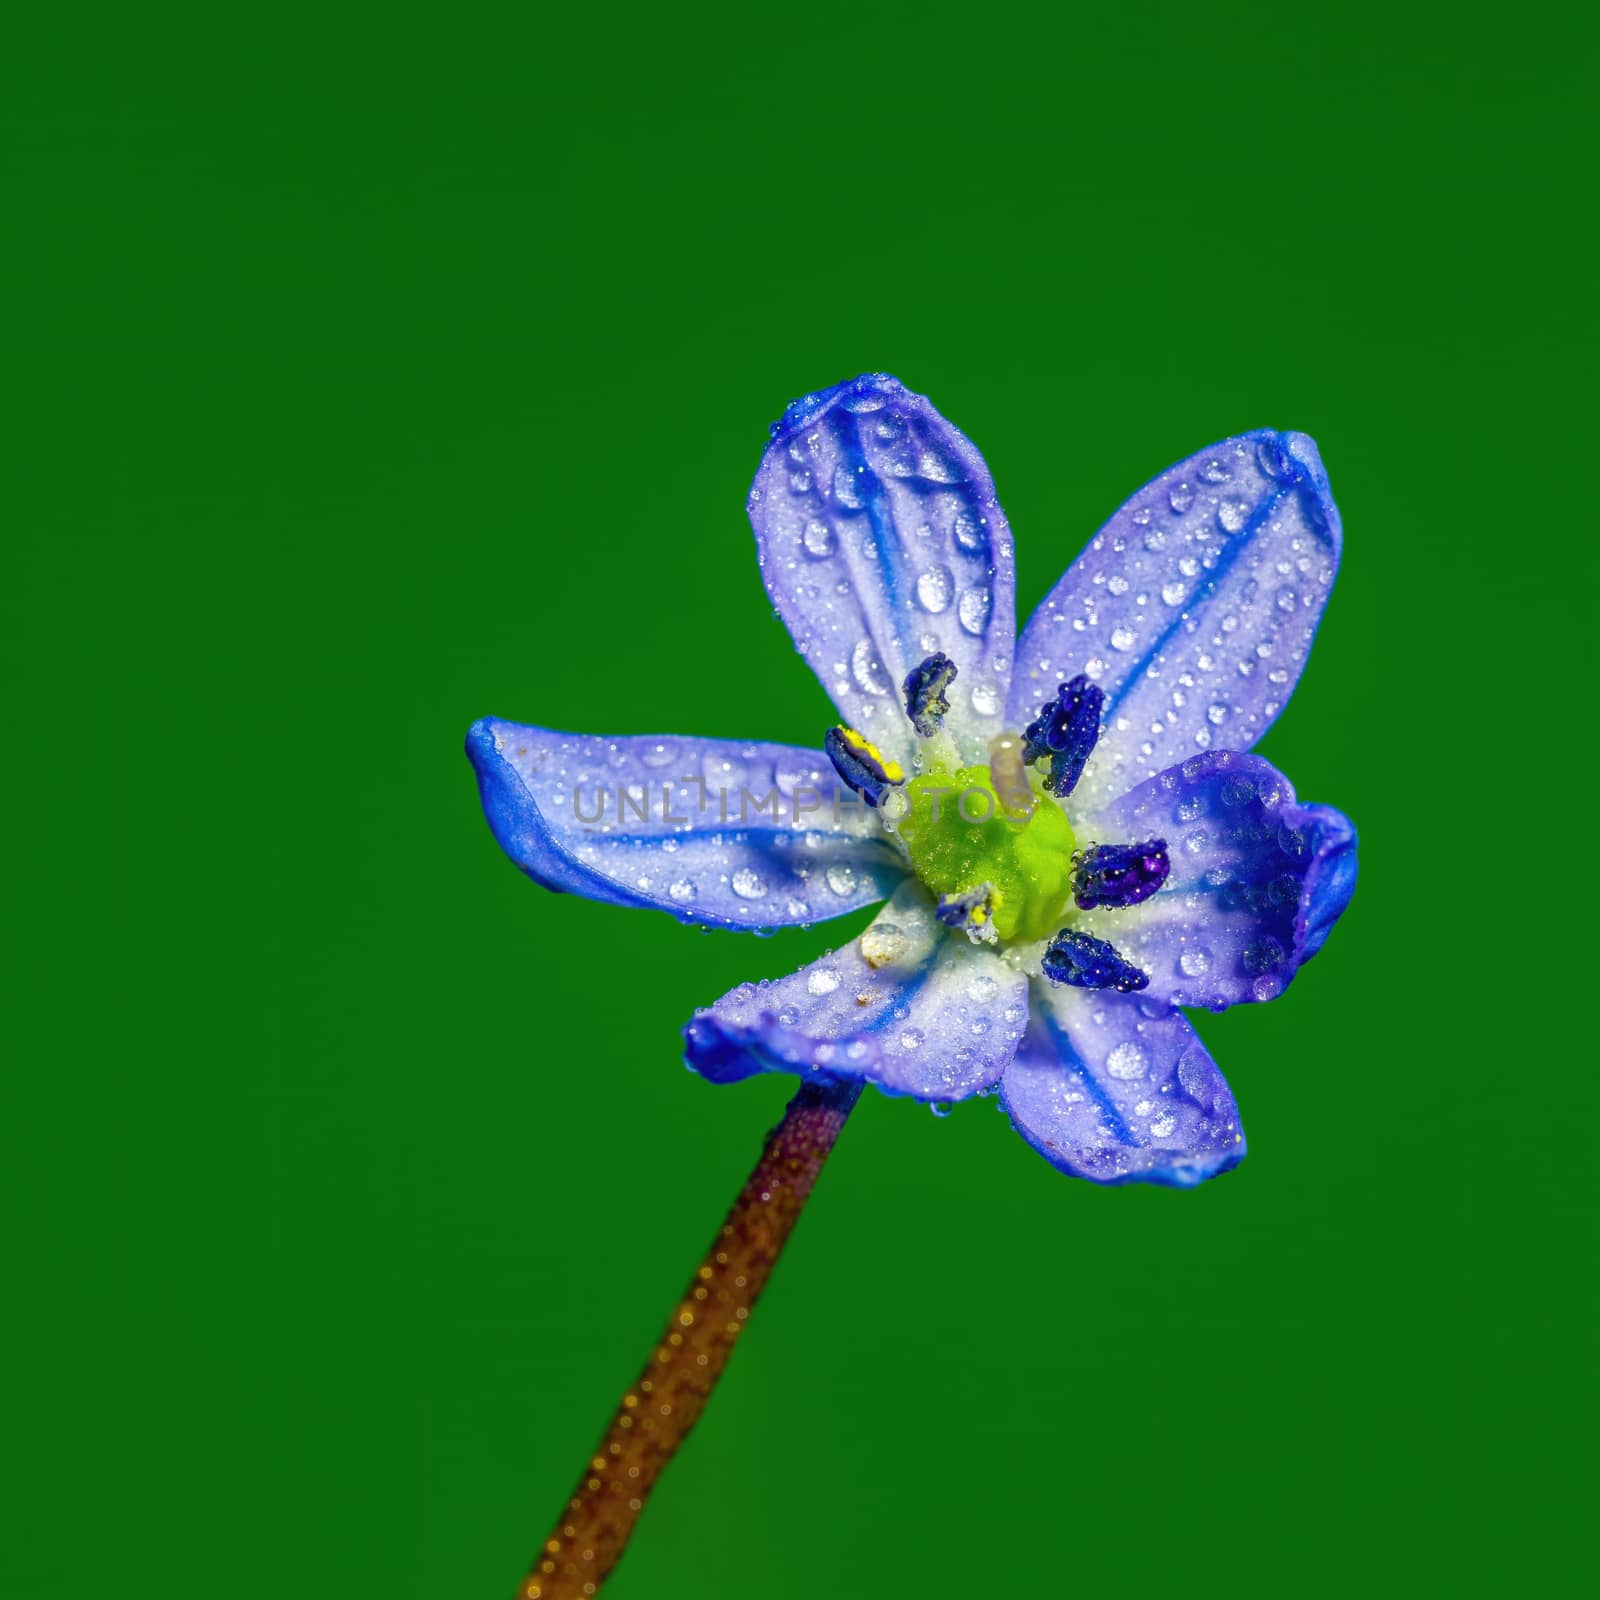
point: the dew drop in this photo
(841, 878)
(1126, 1061)
(867, 670)
(985, 699)
(1273, 459)
(935, 587)
(1232, 514)
(1180, 497)
(983, 988)
(817, 537)
(974, 610)
(749, 885)
(681, 889)
(940, 1108)
(823, 981)
(1194, 963)
(1164, 1125)
(1122, 638)
(882, 943)
(1174, 594)
(968, 531)
(911, 1038)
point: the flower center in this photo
(964, 838)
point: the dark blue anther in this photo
(924, 688)
(1119, 874)
(862, 765)
(1084, 962)
(971, 910)
(1065, 732)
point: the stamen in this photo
(1066, 731)
(862, 765)
(971, 910)
(1119, 874)
(924, 690)
(1084, 962)
(1009, 776)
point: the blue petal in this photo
(732, 835)
(1257, 880)
(908, 1006)
(1193, 608)
(1104, 1092)
(881, 543)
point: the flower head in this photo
(1071, 834)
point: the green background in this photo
(366, 374)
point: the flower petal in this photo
(881, 542)
(1193, 608)
(734, 835)
(907, 1006)
(1106, 1093)
(1257, 880)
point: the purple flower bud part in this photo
(1082, 961)
(971, 910)
(1065, 733)
(862, 765)
(925, 687)
(1119, 874)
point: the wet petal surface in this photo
(881, 543)
(1257, 879)
(1104, 1092)
(717, 832)
(1193, 608)
(907, 1006)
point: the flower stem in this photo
(667, 1398)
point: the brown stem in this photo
(664, 1403)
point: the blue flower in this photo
(1071, 836)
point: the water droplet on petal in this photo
(935, 587)
(867, 669)
(749, 885)
(882, 943)
(824, 980)
(1126, 1061)
(817, 537)
(974, 610)
(840, 878)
